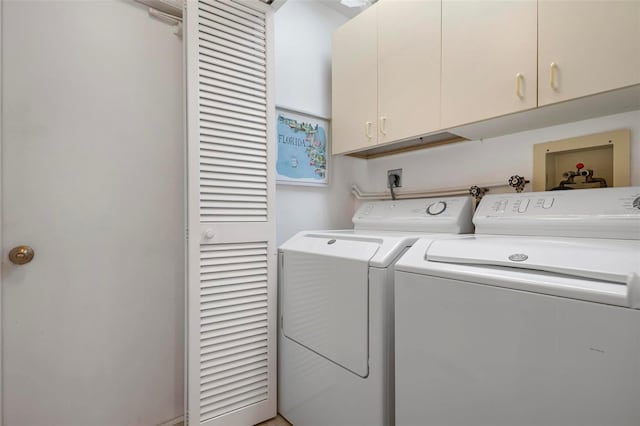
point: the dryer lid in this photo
(325, 302)
(379, 248)
(606, 260)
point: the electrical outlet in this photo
(397, 172)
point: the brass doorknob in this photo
(21, 255)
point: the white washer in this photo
(335, 351)
(535, 320)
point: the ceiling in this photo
(349, 12)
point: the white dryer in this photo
(335, 352)
(534, 320)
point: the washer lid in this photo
(607, 260)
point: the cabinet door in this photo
(408, 68)
(587, 47)
(488, 59)
(354, 77)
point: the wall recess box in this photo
(608, 154)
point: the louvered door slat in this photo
(211, 70)
(217, 142)
(234, 119)
(231, 227)
(217, 363)
(227, 35)
(211, 388)
(224, 112)
(210, 124)
(218, 319)
(226, 177)
(216, 100)
(220, 150)
(245, 366)
(255, 187)
(251, 59)
(211, 21)
(214, 25)
(239, 191)
(248, 320)
(254, 366)
(249, 359)
(221, 9)
(242, 8)
(212, 164)
(237, 9)
(238, 88)
(230, 353)
(234, 46)
(234, 96)
(208, 157)
(238, 198)
(231, 286)
(213, 57)
(232, 346)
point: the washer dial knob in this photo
(436, 208)
(636, 203)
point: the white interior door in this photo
(92, 180)
(231, 250)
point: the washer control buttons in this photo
(436, 208)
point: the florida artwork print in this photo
(302, 149)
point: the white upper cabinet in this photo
(488, 59)
(408, 68)
(587, 47)
(355, 80)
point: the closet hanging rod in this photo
(435, 192)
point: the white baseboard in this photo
(174, 422)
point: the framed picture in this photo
(303, 148)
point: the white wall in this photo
(303, 82)
(490, 160)
(92, 107)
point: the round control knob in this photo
(636, 203)
(436, 208)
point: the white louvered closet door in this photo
(231, 255)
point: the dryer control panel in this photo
(594, 213)
(429, 215)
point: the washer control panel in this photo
(576, 202)
(580, 212)
(422, 215)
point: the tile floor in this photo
(276, 421)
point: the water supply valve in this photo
(477, 192)
(518, 182)
(581, 171)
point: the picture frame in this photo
(303, 148)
